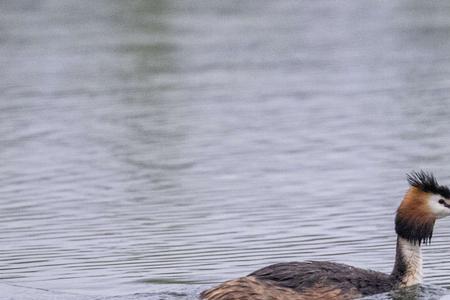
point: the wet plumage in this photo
(303, 280)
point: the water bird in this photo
(424, 202)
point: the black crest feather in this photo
(427, 182)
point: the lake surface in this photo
(159, 147)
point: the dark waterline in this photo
(153, 146)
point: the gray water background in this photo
(148, 145)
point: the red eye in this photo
(441, 201)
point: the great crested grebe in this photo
(424, 202)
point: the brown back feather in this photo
(250, 287)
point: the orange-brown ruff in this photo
(423, 203)
(414, 213)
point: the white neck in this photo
(408, 263)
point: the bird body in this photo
(424, 203)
